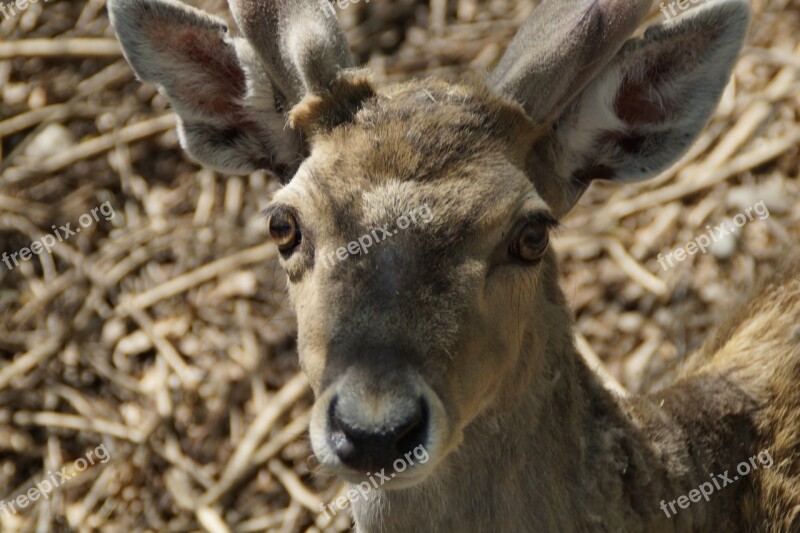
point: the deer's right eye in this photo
(284, 230)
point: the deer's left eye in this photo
(531, 242)
(284, 230)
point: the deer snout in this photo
(380, 418)
(372, 445)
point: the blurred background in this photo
(160, 330)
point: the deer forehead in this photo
(455, 148)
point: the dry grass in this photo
(164, 332)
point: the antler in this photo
(300, 44)
(560, 48)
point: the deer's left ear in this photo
(650, 103)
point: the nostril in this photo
(367, 449)
(412, 434)
(341, 435)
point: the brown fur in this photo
(334, 107)
(759, 347)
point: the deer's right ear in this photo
(232, 103)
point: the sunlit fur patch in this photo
(334, 107)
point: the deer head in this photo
(409, 339)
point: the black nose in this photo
(369, 450)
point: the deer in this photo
(454, 334)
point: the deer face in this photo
(415, 222)
(408, 338)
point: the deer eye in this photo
(531, 242)
(284, 230)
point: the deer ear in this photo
(650, 103)
(560, 48)
(228, 108)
